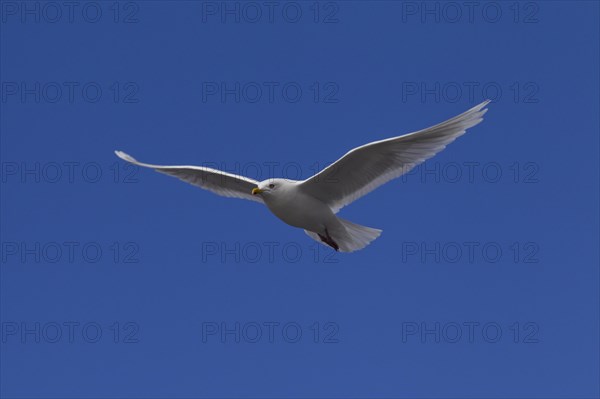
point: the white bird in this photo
(312, 204)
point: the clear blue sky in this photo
(117, 282)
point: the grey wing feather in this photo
(365, 168)
(217, 181)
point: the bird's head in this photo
(270, 187)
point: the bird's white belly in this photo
(301, 211)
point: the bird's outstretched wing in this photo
(217, 181)
(367, 167)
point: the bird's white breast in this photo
(299, 209)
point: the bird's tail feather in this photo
(349, 236)
(356, 237)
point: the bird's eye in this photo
(271, 186)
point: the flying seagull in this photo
(312, 204)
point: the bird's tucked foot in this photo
(329, 241)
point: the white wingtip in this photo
(125, 157)
(483, 105)
(479, 107)
(475, 114)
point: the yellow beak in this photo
(256, 190)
